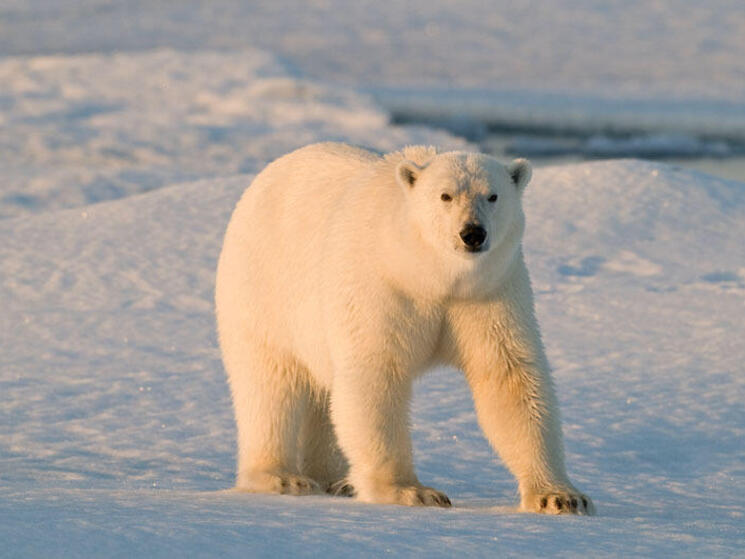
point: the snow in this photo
(568, 62)
(117, 432)
(127, 133)
(76, 131)
(680, 48)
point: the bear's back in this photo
(273, 255)
(294, 194)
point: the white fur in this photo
(343, 277)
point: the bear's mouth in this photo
(472, 251)
(481, 248)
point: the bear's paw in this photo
(341, 488)
(277, 482)
(559, 502)
(409, 495)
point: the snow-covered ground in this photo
(129, 129)
(676, 48)
(622, 64)
(117, 433)
(85, 128)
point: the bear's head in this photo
(466, 204)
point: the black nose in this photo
(473, 236)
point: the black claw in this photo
(544, 503)
(341, 489)
(559, 503)
(584, 503)
(574, 503)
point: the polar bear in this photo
(343, 276)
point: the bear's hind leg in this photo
(322, 459)
(270, 398)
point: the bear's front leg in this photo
(369, 408)
(497, 345)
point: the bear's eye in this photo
(445, 197)
(492, 198)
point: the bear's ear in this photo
(520, 172)
(407, 172)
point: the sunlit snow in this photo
(128, 132)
